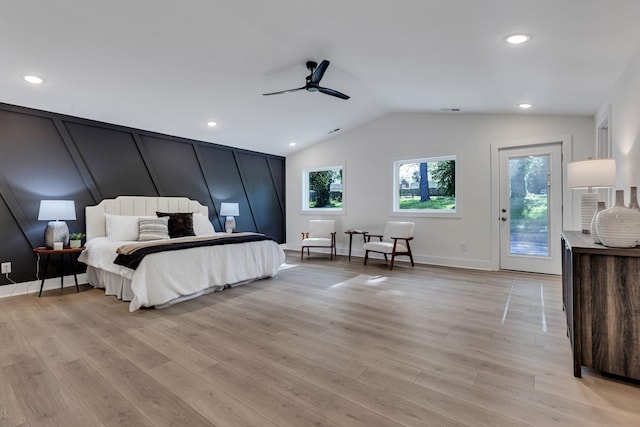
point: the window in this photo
(322, 189)
(425, 186)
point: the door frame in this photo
(566, 144)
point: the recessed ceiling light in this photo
(211, 124)
(292, 144)
(33, 79)
(517, 38)
(525, 106)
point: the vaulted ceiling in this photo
(171, 66)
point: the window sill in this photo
(322, 211)
(428, 214)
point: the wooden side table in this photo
(48, 252)
(351, 233)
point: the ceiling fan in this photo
(313, 81)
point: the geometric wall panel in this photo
(179, 171)
(262, 194)
(35, 164)
(113, 160)
(222, 175)
(45, 155)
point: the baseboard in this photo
(468, 263)
(23, 288)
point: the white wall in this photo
(625, 126)
(367, 154)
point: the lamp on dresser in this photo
(56, 212)
(590, 174)
(230, 210)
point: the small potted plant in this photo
(75, 240)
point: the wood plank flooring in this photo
(323, 343)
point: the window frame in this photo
(306, 190)
(441, 213)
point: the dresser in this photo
(601, 300)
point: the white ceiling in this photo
(169, 66)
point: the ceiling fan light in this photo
(212, 124)
(525, 106)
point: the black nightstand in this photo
(48, 252)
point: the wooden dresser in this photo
(601, 299)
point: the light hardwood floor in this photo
(322, 343)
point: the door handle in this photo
(503, 210)
(504, 218)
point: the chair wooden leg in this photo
(393, 258)
(410, 254)
(333, 253)
(366, 257)
(386, 261)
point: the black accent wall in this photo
(46, 155)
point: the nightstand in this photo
(48, 252)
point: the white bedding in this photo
(167, 276)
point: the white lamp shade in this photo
(592, 173)
(53, 210)
(229, 209)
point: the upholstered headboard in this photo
(135, 205)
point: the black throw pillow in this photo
(180, 224)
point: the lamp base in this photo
(56, 231)
(230, 224)
(588, 208)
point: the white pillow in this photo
(122, 228)
(202, 225)
(153, 229)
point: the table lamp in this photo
(231, 210)
(56, 212)
(590, 174)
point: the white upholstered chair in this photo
(321, 234)
(393, 241)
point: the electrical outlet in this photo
(5, 267)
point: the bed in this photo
(170, 276)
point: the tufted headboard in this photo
(136, 205)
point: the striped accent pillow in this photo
(153, 229)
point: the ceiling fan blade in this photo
(319, 72)
(332, 92)
(284, 91)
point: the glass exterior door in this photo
(530, 208)
(529, 205)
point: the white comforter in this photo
(166, 276)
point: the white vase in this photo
(594, 232)
(618, 226)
